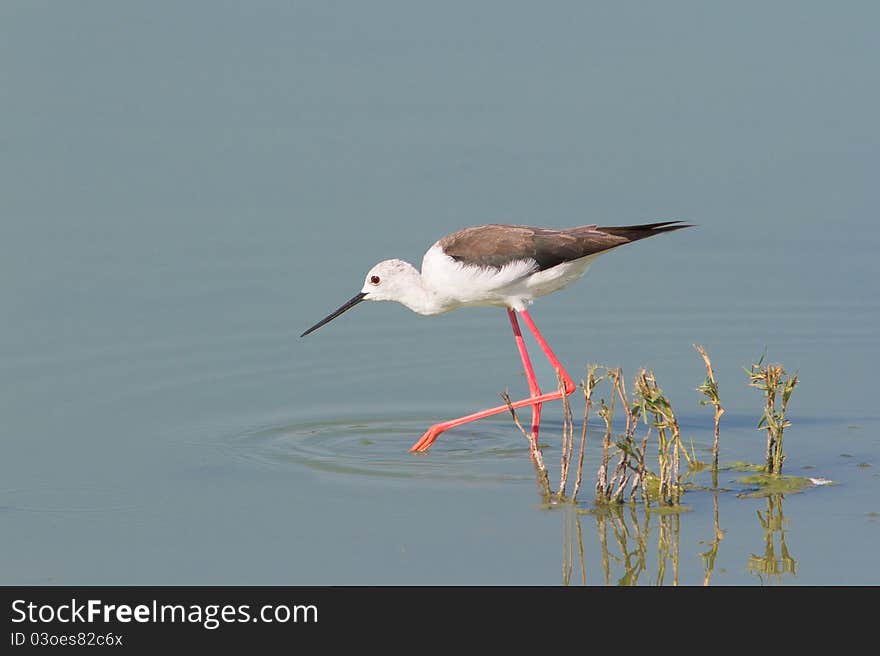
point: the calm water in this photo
(183, 190)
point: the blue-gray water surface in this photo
(186, 187)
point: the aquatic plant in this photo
(775, 383)
(535, 454)
(587, 385)
(710, 389)
(567, 436)
(606, 413)
(653, 403)
(648, 404)
(632, 456)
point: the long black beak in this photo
(350, 304)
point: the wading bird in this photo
(498, 265)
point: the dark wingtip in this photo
(636, 232)
(665, 226)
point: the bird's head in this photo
(389, 280)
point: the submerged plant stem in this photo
(534, 451)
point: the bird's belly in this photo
(555, 278)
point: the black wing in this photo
(495, 245)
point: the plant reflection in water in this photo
(636, 546)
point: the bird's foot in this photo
(427, 439)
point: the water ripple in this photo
(379, 448)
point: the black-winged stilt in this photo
(499, 265)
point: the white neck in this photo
(410, 290)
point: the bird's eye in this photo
(374, 280)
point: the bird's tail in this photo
(636, 232)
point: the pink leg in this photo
(530, 372)
(557, 365)
(432, 433)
